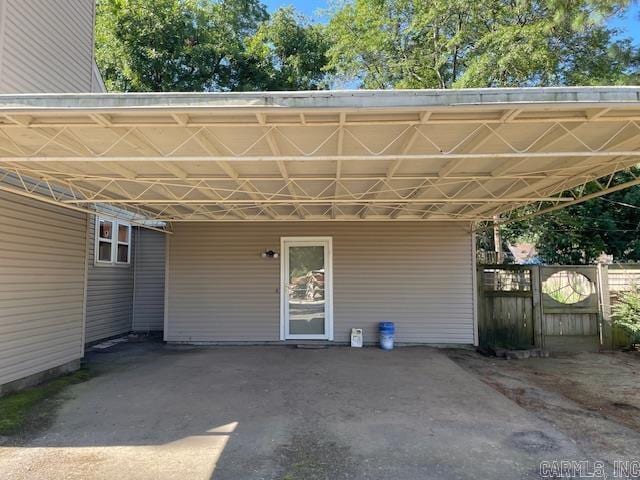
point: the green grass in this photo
(26, 409)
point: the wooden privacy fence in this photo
(506, 306)
(555, 308)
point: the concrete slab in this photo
(274, 412)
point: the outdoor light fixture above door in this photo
(270, 254)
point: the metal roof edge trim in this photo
(326, 99)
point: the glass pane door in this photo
(306, 289)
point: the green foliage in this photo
(173, 45)
(597, 60)
(286, 53)
(19, 410)
(224, 45)
(578, 234)
(206, 45)
(485, 43)
(626, 313)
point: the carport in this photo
(300, 215)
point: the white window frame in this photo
(114, 241)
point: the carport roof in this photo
(463, 155)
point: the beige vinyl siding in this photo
(42, 279)
(418, 275)
(148, 303)
(109, 295)
(46, 46)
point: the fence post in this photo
(606, 328)
(538, 314)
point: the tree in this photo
(478, 43)
(173, 45)
(578, 234)
(286, 53)
(206, 45)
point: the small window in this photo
(124, 235)
(112, 247)
(105, 240)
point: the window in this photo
(105, 240)
(124, 234)
(113, 241)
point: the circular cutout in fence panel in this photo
(568, 287)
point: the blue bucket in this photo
(387, 334)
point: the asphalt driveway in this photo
(157, 412)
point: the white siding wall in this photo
(418, 275)
(46, 46)
(148, 302)
(42, 279)
(109, 295)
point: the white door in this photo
(306, 285)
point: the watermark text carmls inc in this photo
(589, 469)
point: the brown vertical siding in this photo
(46, 46)
(109, 295)
(42, 278)
(415, 274)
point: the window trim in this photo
(114, 241)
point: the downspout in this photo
(167, 251)
(474, 289)
(87, 245)
(135, 268)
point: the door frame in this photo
(326, 242)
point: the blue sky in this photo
(307, 7)
(628, 23)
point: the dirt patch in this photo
(604, 383)
(590, 396)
